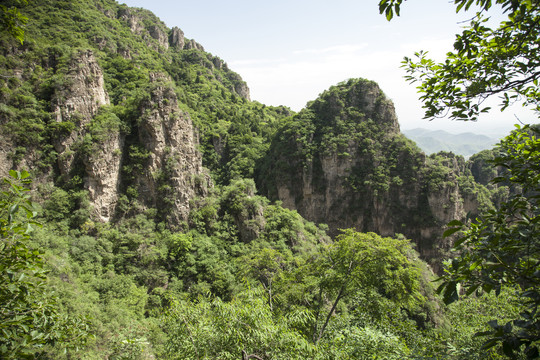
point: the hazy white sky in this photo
(289, 51)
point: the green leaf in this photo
(508, 349)
(24, 174)
(13, 209)
(451, 231)
(454, 223)
(471, 289)
(475, 264)
(459, 241)
(389, 14)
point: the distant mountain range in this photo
(466, 144)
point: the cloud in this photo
(344, 49)
(256, 62)
(302, 75)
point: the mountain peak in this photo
(356, 100)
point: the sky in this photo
(290, 51)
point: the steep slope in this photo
(143, 148)
(106, 99)
(343, 161)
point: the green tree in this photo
(29, 318)
(502, 61)
(363, 261)
(11, 19)
(266, 266)
(209, 328)
(502, 248)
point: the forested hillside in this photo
(151, 210)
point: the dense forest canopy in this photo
(151, 210)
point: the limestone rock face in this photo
(192, 44)
(242, 90)
(344, 162)
(78, 101)
(176, 38)
(133, 21)
(103, 175)
(155, 31)
(240, 86)
(218, 63)
(94, 147)
(6, 163)
(174, 174)
(125, 53)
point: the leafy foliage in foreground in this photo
(502, 248)
(487, 62)
(29, 317)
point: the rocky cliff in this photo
(173, 174)
(98, 142)
(77, 102)
(343, 161)
(98, 109)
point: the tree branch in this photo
(245, 356)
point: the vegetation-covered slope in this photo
(105, 53)
(146, 153)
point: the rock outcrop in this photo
(343, 162)
(6, 163)
(176, 38)
(174, 173)
(242, 89)
(133, 21)
(156, 31)
(77, 101)
(103, 170)
(192, 44)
